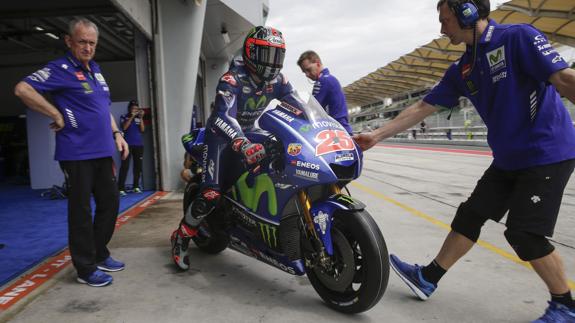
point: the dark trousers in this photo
(137, 154)
(87, 236)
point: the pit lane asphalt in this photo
(411, 193)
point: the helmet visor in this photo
(267, 56)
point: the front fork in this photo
(318, 225)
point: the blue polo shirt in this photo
(83, 99)
(327, 91)
(527, 122)
(132, 135)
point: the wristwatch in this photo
(115, 132)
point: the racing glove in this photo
(253, 153)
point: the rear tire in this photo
(209, 239)
(361, 264)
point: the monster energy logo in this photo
(268, 232)
(252, 105)
(250, 196)
(187, 138)
(346, 199)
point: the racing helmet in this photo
(264, 52)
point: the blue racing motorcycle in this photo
(290, 212)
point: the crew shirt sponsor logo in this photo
(539, 39)
(306, 174)
(283, 115)
(489, 33)
(499, 77)
(41, 75)
(496, 59)
(557, 59)
(100, 78)
(87, 87)
(226, 128)
(80, 76)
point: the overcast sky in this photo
(353, 38)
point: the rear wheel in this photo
(209, 239)
(357, 276)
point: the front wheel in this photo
(357, 276)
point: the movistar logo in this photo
(252, 105)
(305, 128)
(496, 59)
(250, 196)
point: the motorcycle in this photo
(291, 213)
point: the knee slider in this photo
(528, 246)
(467, 222)
(203, 205)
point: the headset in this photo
(466, 12)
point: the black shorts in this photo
(532, 196)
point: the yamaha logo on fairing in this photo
(226, 128)
(283, 115)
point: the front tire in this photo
(360, 272)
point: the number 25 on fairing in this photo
(331, 141)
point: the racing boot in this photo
(180, 240)
(196, 212)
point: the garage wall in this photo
(121, 77)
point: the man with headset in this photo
(531, 136)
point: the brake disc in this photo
(340, 276)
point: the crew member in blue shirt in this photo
(133, 125)
(242, 94)
(86, 140)
(530, 133)
(326, 89)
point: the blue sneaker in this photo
(557, 313)
(111, 265)
(97, 278)
(411, 275)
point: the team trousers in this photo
(88, 236)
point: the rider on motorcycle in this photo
(243, 92)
